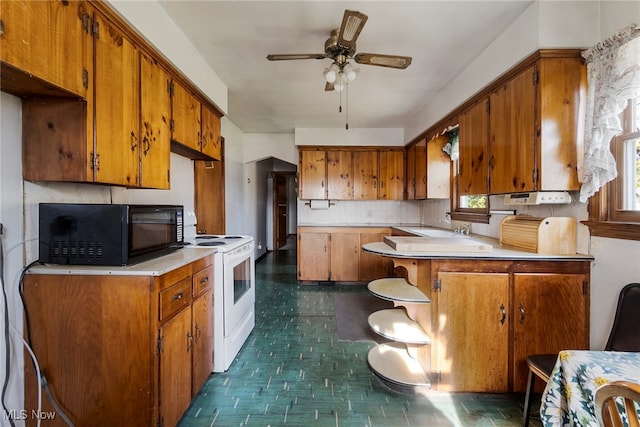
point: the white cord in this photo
(37, 366)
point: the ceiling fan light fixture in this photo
(350, 71)
(331, 73)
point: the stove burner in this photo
(206, 236)
(210, 243)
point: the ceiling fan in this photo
(341, 47)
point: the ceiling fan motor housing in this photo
(338, 53)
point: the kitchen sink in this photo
(436, 233)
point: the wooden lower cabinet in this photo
(487, 316)
(120, 349)
(473, 333)
(335, 254)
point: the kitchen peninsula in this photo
(490, 309)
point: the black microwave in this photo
(107, 234)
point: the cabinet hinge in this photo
(170, 88)
(160, 345)
(171, 124)
(160, 423)
(1, 27)
(95, 162)
(95, 29)
(168, 176)
(488, 106)
(585, 287)
(85, 78)
(535, 175)
(535, 77)
(437, 285)
(85, 18)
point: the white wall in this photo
(353, 136)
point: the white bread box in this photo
(551, 235)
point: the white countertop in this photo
(153, 267)
(498, 252)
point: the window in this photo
(624, 200)
(615, 210)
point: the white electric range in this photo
(234, 294)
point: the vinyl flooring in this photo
(293, 371)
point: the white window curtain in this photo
(613, 77)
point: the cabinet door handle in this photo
(177, 296)
(521, 308)
(205, 279)
(134, 141)
(503, 318)
(189, 342)
(198, 332)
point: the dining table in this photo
(569, 397)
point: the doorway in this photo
(283, 204)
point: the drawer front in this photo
(175, 298)
(202, 280)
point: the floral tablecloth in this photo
(568, 399)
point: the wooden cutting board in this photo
(436, 244)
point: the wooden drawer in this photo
(202, 280)
(175, 298)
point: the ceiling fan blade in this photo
(291, 56)
(328, 87)
(352, 23)
(390, 61)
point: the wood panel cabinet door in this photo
(420, 168)
(365, 175)
(117, 106)
(202, 331)
(313, 256)
(313, 174)
(339, 175)
(155, 132)
(47, 39)
(410, 178)
(185, 117)
(373, 266)
(211, 139)
(345, 257)
(391, 175)
(473, 170)
(562, 89)
(473, 331)
(438, 169)
(210, 196)
(175, 367)
(550, 313)
(512, 127)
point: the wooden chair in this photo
(624, 336)
(607, 408)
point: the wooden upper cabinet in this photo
(365, 175)
(339, 175)
(209, 195)
(211, 137)
(410, 178)
(438, 169)
(534, 124)
(117, 106)
(473, 146)
(46, 40)
(185, 116)
(391, 175)
(313, 174)
(420, 167)
(154, 118)
(512, 129)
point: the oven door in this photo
(239, 294)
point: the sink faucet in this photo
(463, 229)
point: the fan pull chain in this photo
(346, 126)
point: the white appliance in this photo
(538, 198)
(234, 294)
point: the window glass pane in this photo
(473, 202)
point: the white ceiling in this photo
(234, 37)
